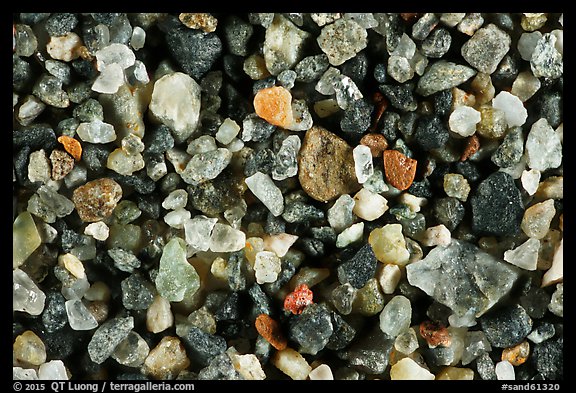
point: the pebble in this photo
(486, 48)
(537, 219)
(286, 161)
(368, 205)
(96, 199)
(507, 326)
(499, 215)
(206, 166)
(389, 244)
(556, 272)
(463, 120)
(371, 353)
(274, 104)
(197, 231)
(25, 41)
(408, 369)
(176, 104)
(264, 188)
(376, 142)
(108, 336)
(524, 256)
(267, 266)
(291, 363)
(202, 346)
(96, 131)
(465, 268)
(177, 279)
(443, 75)
(505, 371)
(406, 342)
(311, 331)
(39, 169)
(311, 68)
(28, 349)
(284, 44)
(53, 370)
(71, 263)
(196, 20)
(456, 186)
(435, 334)
(350, 235)
(24, 374)
(62, 164)
(530, 180)
(401, 97)
(65, 48)
(72, 146)
(26, 296)
(437, 43)
(513, 108)
(527, 43)
(166, 360)
(511, 150)
(184, 44)
(48, 88)
(340, 216)
(297, 300)
(396, 316)
(270, 330)
(542, 332)
(248, 366)
(455, 373)
(25, 238)
(351, 36)
(98, 230)
(79, 317)
(546, 61)
(543, 147)
(399, 169)
(322, 372)
(279, 243)
(437, 235)
(300, 212)
(49, 205)
(548, 358)
(54, 316)
(431, 133)
(227, 131)
(363, 165)
(224, 238)
(237, 34)
(132, 351)
(138, 38)
(137, 292)
(360, 268)
(518, 354)
(320, 150)
(125, 109)
(109, 80)
(29, 110)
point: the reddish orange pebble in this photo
(270, 330)
(72, 146)
(399, 169)
(472, 146)
(297, 300)
(435, 334)
(274, 104)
